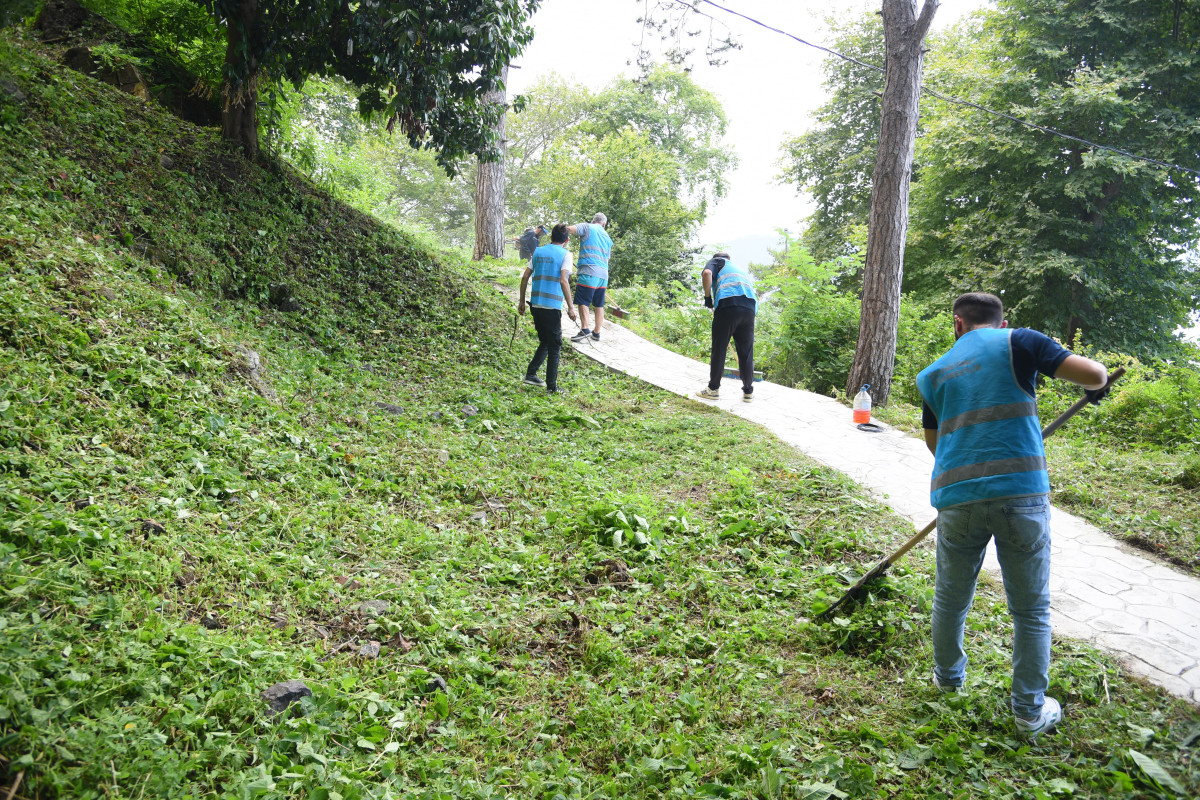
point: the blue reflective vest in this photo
(989, 443)
(594, 251)
(546, 291)
(733, 281)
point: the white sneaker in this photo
(709, 394)
(944, 688)
(1046, 721)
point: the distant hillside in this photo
(752, 249)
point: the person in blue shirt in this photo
(549, 269)
(729, 291)
(990, 482)
(591, 281)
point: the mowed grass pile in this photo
(489, 592)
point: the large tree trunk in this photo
(489, 192)
(239, 113)
(904, 38)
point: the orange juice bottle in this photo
(862, 405)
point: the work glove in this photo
(1094, 396)
(708, 303)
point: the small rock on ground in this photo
(373, 608)
(283, 694)
(389, 408)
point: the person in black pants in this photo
(549, 268)
(729, 291)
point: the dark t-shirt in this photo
(528, 242)
(1032, 352)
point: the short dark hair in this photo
(979, 309)
(722, 254)
(559, 234)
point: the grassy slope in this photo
(484, 514)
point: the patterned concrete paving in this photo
(1103, 591)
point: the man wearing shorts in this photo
(595, 246)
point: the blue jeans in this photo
(1021, 527)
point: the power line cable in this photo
(942, 97)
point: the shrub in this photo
(815, 341)
(1160, 406)
(1189, 473)
(683, 328)
(1156, 404)
(818, 331)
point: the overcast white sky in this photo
(768, 88)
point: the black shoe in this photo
(534, 380)
(583, 334)
(556, 391)
(595, 337)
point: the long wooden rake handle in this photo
(879, 569)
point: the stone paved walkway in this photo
(1102, 591)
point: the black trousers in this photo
(548, 324)
(736, 322)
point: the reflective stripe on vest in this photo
(595, 250)
(546, 291)
(989, 440)
(733, 281)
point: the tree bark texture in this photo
(489, 191)
(239, 114)
(904, 38)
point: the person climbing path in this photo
(1102, 592)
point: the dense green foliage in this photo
(646, 152)
(427, 67)
(16, 10)
(319, 131)
(179, 29)
(1074, 237)
(575, 598)
(678, 117)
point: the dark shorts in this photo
(589, 296)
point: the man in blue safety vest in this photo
(990, 481)
(729, 291)
(591, 280)
(550, 270)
